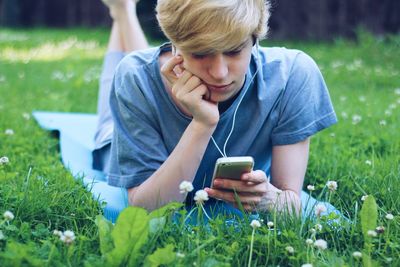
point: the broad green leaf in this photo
(157, 224)
(130, 234)
(18, 254)
(165, 209)
(366, 260)
(369, 215)
(105, 227)
(162, 256)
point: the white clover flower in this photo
(67, 237)
(289, 249)
(372, 233)
(389, 216)
(8, 215)
(344, 115)
(392, 106)
(332, 185)
(356, 119)
(397, 91)
(4, 160)
(185, 187)
(201, 196)
(309, 241)
(332, 134)
(307, 265)
(313, 231)
(357, 254)
(57, 233)
(362, 98)
(388, 112)
(270, 224)
(255, 224)
(180, 255)
(2, 237)
(9, 132)
(382, 122)
(368, 162)
(319, 209)
(320, 244)
(318, 227)
(310, 187)
(363, 198)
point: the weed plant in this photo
(58, 70)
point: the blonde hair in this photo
(207, 26)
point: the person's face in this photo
(223, 73)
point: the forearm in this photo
(163, 186)
(288, 167)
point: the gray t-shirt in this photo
(287, 102)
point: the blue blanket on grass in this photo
(76, 133)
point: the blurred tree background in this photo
(291, 19)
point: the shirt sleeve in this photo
(137, 150)
(305, 107)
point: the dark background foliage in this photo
(291, 19)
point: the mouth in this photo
(219, 88)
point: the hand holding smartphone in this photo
(232, 167)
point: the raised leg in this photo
(126, 36)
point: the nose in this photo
(218, 67)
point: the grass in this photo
(57, 70)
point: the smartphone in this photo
(232, 167)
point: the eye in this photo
(233, 53)
(199, 56)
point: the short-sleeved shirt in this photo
(285, 103)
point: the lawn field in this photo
(58, 70)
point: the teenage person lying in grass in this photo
(173, 108)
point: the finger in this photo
(255, 177)
(207, 96)
(240, 186)
(168, 68)
(180, 82)
(191, 84)
(246, 207)
(233, 197)
(185, 85)
(178, 69)
(220, 194)
(200, 91)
